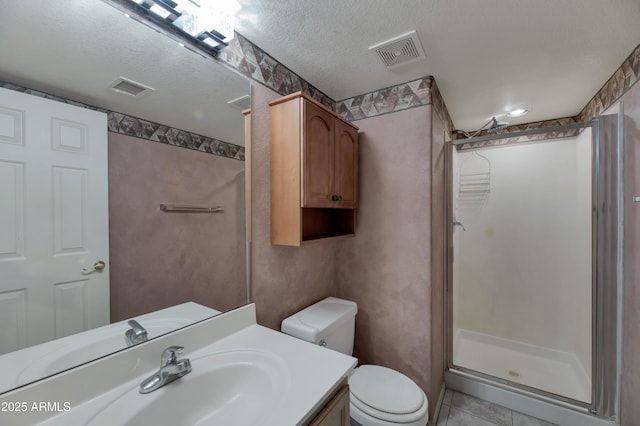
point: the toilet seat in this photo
(387, 395)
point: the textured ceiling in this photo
(487, 56)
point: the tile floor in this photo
(459, 409)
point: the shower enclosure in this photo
(533, 263)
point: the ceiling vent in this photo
(130, 87)
(242, 103)
(401, 50)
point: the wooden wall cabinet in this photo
(314, 172)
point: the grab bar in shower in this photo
(189, 209)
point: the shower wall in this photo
(522, 268)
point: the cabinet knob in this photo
(334, 198)
(339, 197)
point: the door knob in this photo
(98, 266)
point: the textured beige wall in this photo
(160, 259)
(284, 279)
(385, 269)
(630, 395)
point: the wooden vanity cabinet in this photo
(314, 172)
(335, 412)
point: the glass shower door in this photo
(522, 264)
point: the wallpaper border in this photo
(253, 62)
(620, 82)
(396, 98)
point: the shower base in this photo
(552, 371)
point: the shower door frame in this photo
(606, 239)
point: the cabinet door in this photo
(317, 157)
(345, 182)
(336, 412)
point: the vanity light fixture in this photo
(161, 10)
(207, 24)
(165, 9)
(212, 38)
(517, 112)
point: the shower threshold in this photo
(549, 370)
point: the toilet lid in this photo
(386, 390)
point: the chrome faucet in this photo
(171, 368)
(136, 334)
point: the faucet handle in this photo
(170, 355)
(136, 334)
(136, 328)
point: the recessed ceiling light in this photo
(517, 112)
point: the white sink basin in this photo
(237, 387)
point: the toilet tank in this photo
(329, 322)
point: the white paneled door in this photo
(54, 222)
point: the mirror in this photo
(166, 269)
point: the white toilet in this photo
(379, 396)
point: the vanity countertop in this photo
(305, 373)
